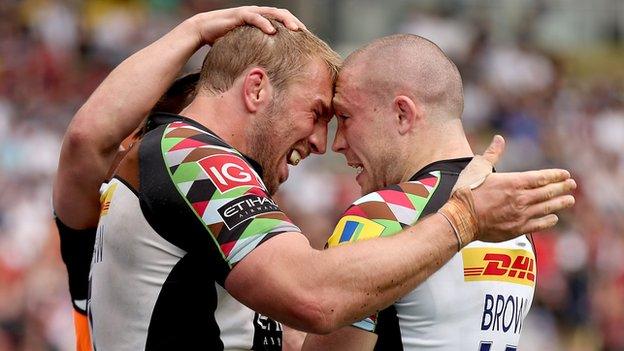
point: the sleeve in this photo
(77, 251)
(225, 195)
(384, 213)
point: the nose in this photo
(318, 139)
(340, 143)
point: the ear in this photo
(257, 90)
(408, 113)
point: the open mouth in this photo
(357, 166)
(294, 157)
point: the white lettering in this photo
(242, 177)
(218, 175)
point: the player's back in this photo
(164, 249)
(476, 301)
(471, 303)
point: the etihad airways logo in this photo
(508, 265)
(242, 208)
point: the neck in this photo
(446, 142)
(220, 114)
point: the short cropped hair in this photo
(283, 55)
(179, 95)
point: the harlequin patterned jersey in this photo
(181, 210)
(475, 302)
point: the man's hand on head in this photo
(214, 24)
(496, 207)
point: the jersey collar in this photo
(454, 165)
(159, 118)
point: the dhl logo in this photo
(508, 265)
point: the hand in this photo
(510, 204)
(481, 165)
(213, 25)
(497, 207)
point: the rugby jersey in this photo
(181, 210)
(476, 302)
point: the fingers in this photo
(257, 20)
(550, 191)
(212, 25)
(493, 153)
(474, 174)
(293, 22)
(286, 17)
(481, 165)
(538, 224)
(550, 206)
(536, 179)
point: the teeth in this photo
(295, 157)
(358, 168)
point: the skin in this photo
(297, 119)
(307, 289)
(89, 155)
(365, 133)
(393, 127)
(119, 104)
(394, 119)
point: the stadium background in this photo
(548, 75)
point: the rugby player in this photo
(399, 102)
(79, 205)
(77, 244)
(188, 210)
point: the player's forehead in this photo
(316, 81)
(345, 90)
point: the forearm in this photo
(292, 339)
(124, 98)
(320, 291)
(360, 279)
(112, 112)
(344, 339)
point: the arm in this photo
(123, 99)
(344, 339)
(320, 291)
(110, 115)
(292, 338)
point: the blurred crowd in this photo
(53, 53)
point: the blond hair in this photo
(283, 55)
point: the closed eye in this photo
(317, 115)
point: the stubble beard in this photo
(263, 135)
(384, 170)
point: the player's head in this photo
(390, 96)
(283, 83)
(179, 95)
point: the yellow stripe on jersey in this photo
(354, 228)
(105, 199)
(495, 264)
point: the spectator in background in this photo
(43, 85)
